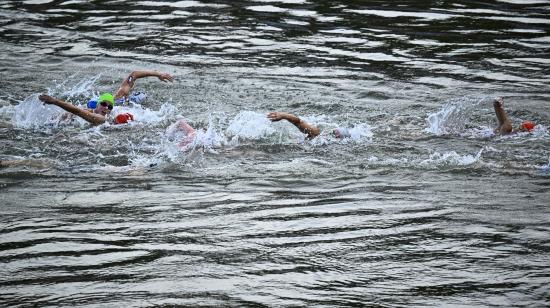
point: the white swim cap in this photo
(341, 132)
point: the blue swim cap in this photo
(92, 103)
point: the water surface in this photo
(422, 206)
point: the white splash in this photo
(211, 138)
(360, 131)
(250, 125)
(146, 115)
(32, 113)
(454, 116)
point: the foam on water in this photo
(434, 161)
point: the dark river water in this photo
(422, 206)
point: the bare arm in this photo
(95, 119)
(306, 128)
(128, 82)
(189, 132)
(504, 124)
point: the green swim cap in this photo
(107, 97)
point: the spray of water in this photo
(32, 113)
(250, 125)
(455, 115)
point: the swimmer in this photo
(185, 133)
(97, 112)
(504, 124)
(306, 128)
(96, 116)
(182, 131)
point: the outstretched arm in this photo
(306, 128)
(95, 119)
(129, 82)
(504, 124)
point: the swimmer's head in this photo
(92, 103)
(105, 104)
(124, 118)
(341, 132)
(527, 126)
(108, 98)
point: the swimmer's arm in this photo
(129, 82)
(183, 125)
(504, 124)
(304, 127)
(189, 131)
(95, 119)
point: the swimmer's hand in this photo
(47, 99)
(277, 116)
(498, 102)
(165, 77)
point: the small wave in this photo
(451, 159)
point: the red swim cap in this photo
(124, 118)
(528, 125)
